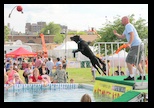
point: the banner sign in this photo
(110, 89)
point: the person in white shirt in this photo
(49, 64)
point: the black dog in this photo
(85, 50)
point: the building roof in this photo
(87, 38)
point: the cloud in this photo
(75, 16)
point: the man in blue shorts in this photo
(134, 42)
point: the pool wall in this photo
(40, 86)
(51, 86)
(86, 86)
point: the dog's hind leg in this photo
(99, 64)
(100, 68)
(96, 68)
(100, 60)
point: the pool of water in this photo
(52, 93)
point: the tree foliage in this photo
(77, 33)
(53, 29)
(107, 35)
(6, 33)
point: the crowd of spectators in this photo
(35, 71)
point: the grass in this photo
(21, 75)
(80, 75)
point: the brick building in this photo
(34, 27)
(36, 43)
(31, 38)
(48, 38)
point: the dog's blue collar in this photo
(79, 41)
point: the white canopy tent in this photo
(60, 50)
(117, 59)
(70, 46)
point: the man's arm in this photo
(131, 38)
(118, 35)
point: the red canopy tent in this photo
(21, 52)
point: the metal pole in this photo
(10, 17)
(11, 12)
(12, 34)
(65, 43)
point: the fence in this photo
(109, 48)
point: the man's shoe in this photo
(140, 78)
(129, 78)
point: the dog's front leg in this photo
(75, 51)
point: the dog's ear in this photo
(88, 42)
(78, 36)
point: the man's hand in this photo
(128, 45)
(118, 35)
(115, 32)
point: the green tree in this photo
(107, 35)
(6, 33)
(53, 29)
(77, 33)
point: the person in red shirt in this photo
(36, 78)
(6, 81)
(10, 73)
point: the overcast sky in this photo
(75, 16)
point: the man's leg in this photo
(131, 74)
(130, 60)
(130, 68)
(140, 60)
(142, 74)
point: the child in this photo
(86, 98)
(71, 81)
